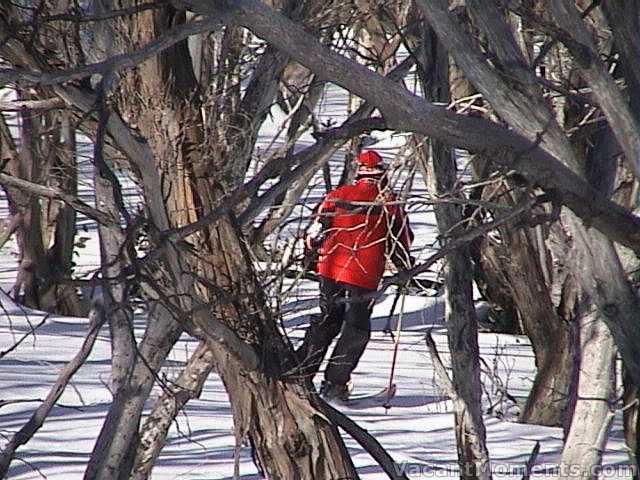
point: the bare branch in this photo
(366, 441)
(57, 194)
(32, 331)
(9, 227)
(96, 319)
(117, 62)
(531, 461)
(154, 431)
(46, 104)
(444, 381)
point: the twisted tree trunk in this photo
(209, 284)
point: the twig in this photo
(32, 466)
(96, 319)
(4, 403)
(24, 337)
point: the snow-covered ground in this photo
(417, 430)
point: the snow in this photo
(417, 430)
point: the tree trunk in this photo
(547, 321)
(290, 436)
(45, 228)
(552, 335)
(462, 329)
(593, 412)
(59, 221)
(631, 421)
(291, 439)
(33, 271)
(153, 433)
(113, 446)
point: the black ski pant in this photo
(342, 311)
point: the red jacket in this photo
(359, 227)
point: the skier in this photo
(355, 229)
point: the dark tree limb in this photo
(404, 111)
(366, 441)
(116, 62)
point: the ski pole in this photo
(391, 388)
(387, 327)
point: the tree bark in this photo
(154, 431)
(631, 422)
(462, 329)
(291, 439)
(593, 413)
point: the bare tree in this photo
(187, 129)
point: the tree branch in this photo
(18, 105)
(7, 228)
(117, 62)
(444, 381)
(96, 319)
(365, 439)
(403, 110)
(57, 194)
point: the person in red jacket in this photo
(355, 229)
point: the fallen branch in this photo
(24, 337)
(96, 319)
